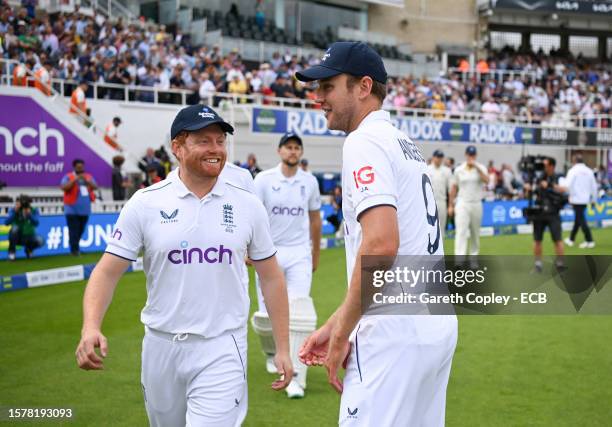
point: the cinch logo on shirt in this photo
(363, 176)
(284, 210)
(210, 255)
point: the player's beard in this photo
(339, 118)
(197, 164)
(291, 163)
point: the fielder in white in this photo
(398, 367)
(465, 202)
(441, 180)
(194, 229)
(291, 198)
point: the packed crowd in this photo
(545, 88)
(552, 89)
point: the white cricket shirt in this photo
(582, 185)
(288, 201)
(194, 253)
(469, 184)
(382, 166)
(238, 176)
(441, 179)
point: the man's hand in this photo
(314, 349)
(337, 354)
(284, 368)
(87, 358)
(544, 184)
(451, 211)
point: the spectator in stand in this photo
(111, 135)
(438, 107)
(281, 87)
(207, 89)
(238, 86)
(251, 165)
(490, 110)
(150, 159)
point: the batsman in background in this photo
(292, 200)
(398, 366)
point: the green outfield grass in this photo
(507, 370)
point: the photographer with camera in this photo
(78, 187)
(546, 198)
(23, 219)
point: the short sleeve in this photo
(65, 180)
(127, 238)
(261, 245)
(314, 202)
(370, 173)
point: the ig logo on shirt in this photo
(362, 177)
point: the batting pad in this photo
(263, 327)
(302, 322)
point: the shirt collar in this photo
(182, 190)
(375, 116)
(279, 171)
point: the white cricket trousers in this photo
(442, 215)
(468, 216)
(296, 263)
(189, 380)
(398, 371)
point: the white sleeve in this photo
(371, 171)
(314, 202)
(261, 245)
(126, 240)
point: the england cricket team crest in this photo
(228, 218)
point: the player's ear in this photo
(365, 87)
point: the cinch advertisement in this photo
(313, 123)
(37, 150)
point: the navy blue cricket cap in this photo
(291, 136)
(470, 150)
(354, 58)
(196, 117)
(438, 153)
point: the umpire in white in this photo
(466, 203)
(195, 229)
(580, 182)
